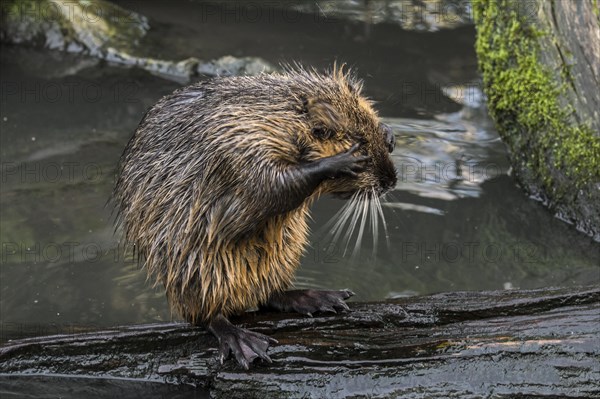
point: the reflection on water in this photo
(447, 158)
(431, 15)
(456, 220)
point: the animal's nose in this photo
(390, 139)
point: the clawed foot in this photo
(245, 345)
(310, 301)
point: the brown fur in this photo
(203, 186)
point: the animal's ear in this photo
(326, 120)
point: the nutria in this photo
(214, 189)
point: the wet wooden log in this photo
(470, 344)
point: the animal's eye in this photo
(322, 132)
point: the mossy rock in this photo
(76, 26)
(106, 31)
(540, 63)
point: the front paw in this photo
(308, 302)
(346, 163)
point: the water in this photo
(456, 220)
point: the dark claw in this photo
(308, 302)
(353, 149)
(245, 345)
(348, 293)
(328, 309)
(343, 305)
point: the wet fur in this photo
(208, 191)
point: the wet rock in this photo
(185, 70)
(229, 65)
(75, 26)
(104, 30)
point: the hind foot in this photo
(245, 345)
(309, 301)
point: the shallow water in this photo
(456, 221)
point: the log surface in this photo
(468, 345)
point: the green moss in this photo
(524, 100)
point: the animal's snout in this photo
(388, 134)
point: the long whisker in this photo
(391, 197)
(374, 220)
(366, 204)
(352, 227)
(385, 229)
(341, 220)
(342, 215)
(338, 228)
(334, 219)
(361, 205)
